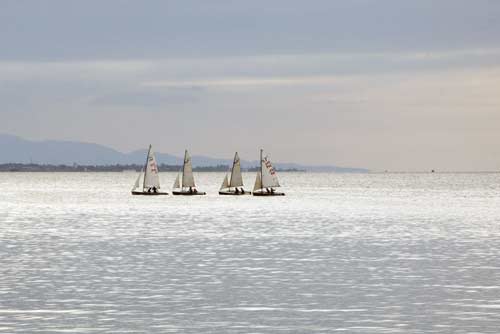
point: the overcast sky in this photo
(381, 84)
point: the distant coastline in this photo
(53, 155)
(21, 167)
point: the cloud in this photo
(270, 70)
(235, 82)
(164, 29)
(396, 120)
(150, 99)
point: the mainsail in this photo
(269, 177)
(151, 177)
(187, 172)
(236, 179)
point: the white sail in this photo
(269, 177)
(151, 177)
(225, 183)
(138, 181)
(187, 172)
(177, 183)
(236, 179)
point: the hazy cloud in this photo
(124, 29)
(140, 98)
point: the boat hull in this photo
(145, 193)
(187, 193)
(232, 193)
(268, 194)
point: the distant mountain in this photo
(17, 150)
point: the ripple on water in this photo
(388, 253)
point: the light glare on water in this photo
(355, 253)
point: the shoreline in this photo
(26, 168)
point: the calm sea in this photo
(370, 253)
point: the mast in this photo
(261, 186)
(232, 170)
(146, 168)
(183, 166)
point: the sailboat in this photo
(184, 182)
(151, 179)
(266, 179)
(233, 185)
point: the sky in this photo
(379, 84)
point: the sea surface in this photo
(348, 253)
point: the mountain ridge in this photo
(14, 149)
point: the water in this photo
(375, 253)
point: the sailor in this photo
(236, 190)
(149, 190)
(155, 190)
(272, 190)
(195, 190)
(190, 190)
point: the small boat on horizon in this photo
(184, 182)
(151, 178)
(233, 185)
(266, 179)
